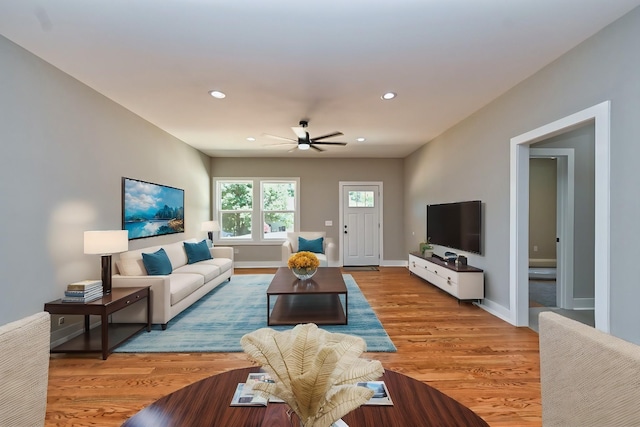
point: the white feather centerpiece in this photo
(315, 371)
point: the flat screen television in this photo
(456, 225)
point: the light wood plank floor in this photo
(468, 354)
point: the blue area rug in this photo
(219, 319)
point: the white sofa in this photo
(290, 246)
(171, 293)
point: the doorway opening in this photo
(599, 115)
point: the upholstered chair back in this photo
(24, 370)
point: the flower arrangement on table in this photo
(315, 372)
(303, 264)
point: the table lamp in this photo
(106, 243)
(210, 226)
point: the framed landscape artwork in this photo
(151, 209)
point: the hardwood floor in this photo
(463, 351)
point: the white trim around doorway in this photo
(600, 115)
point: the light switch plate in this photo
(328, 223)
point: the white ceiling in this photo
(281, 61)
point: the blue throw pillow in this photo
(157, 263)
(197, 251)
(315, 245)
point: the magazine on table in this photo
(261, 377)
(245, 397)
(380, 393)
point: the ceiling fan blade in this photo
(279, 137)
(300, 132)
(281, 144)
(293, 149)
(328, 143)
(329, 135)
(316, 148)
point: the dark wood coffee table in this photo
(206, 403)
(315, 300)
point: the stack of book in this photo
(84, 291)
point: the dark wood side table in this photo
(108, 336)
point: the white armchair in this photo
(587, 377)
(290, 246)
(24, 370)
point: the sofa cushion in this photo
(157, 263)
(207, 270)
(315, 245)
(224, 264)
(131, 267)
(197, 252)
(176, 253)
(183, 285)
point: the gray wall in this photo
(471, 160)
(65, 149)
(542, 212)
(319, 195)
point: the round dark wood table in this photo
(206, 404)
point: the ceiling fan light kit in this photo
(304, 141)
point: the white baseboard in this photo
(584, 303)
(542, 262)
(496, 309)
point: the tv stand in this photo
(462, 281)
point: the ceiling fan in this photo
(304, 141)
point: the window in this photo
(278, 208)
(361, 199)
(256, 209)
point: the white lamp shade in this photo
(106, 242)
(210, 226)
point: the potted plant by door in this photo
(426, 248)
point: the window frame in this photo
(257, 211)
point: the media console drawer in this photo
(463, 282)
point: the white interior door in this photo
(361, 225)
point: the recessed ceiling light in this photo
(251, 138)
(361, 139)
(389, 95)
(217, 94)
